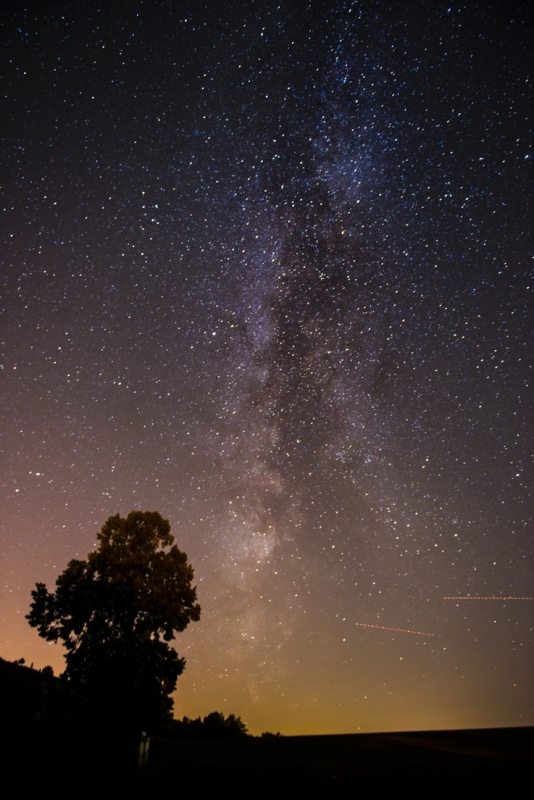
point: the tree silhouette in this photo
(116, 613)
(213, 726)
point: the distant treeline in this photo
(214, 726)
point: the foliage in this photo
(40, 713)
(116, 612)
(213, 726)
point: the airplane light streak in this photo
(397, 630)
(490, 597)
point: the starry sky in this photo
(265, 269)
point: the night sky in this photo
(265, 269)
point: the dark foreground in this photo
(498, 759)
(337, 766)
(50, 738)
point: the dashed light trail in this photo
(397, 630)
(490, 597)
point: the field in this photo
(497, 759)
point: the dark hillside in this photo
(344, 764)
(44, 718)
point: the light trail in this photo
(490, 597)
(397, 630)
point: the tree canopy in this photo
(116, 613)
(213, 726)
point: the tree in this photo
(116, 613)
(213, 726)
(216, 726)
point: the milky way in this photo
(266, 271)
